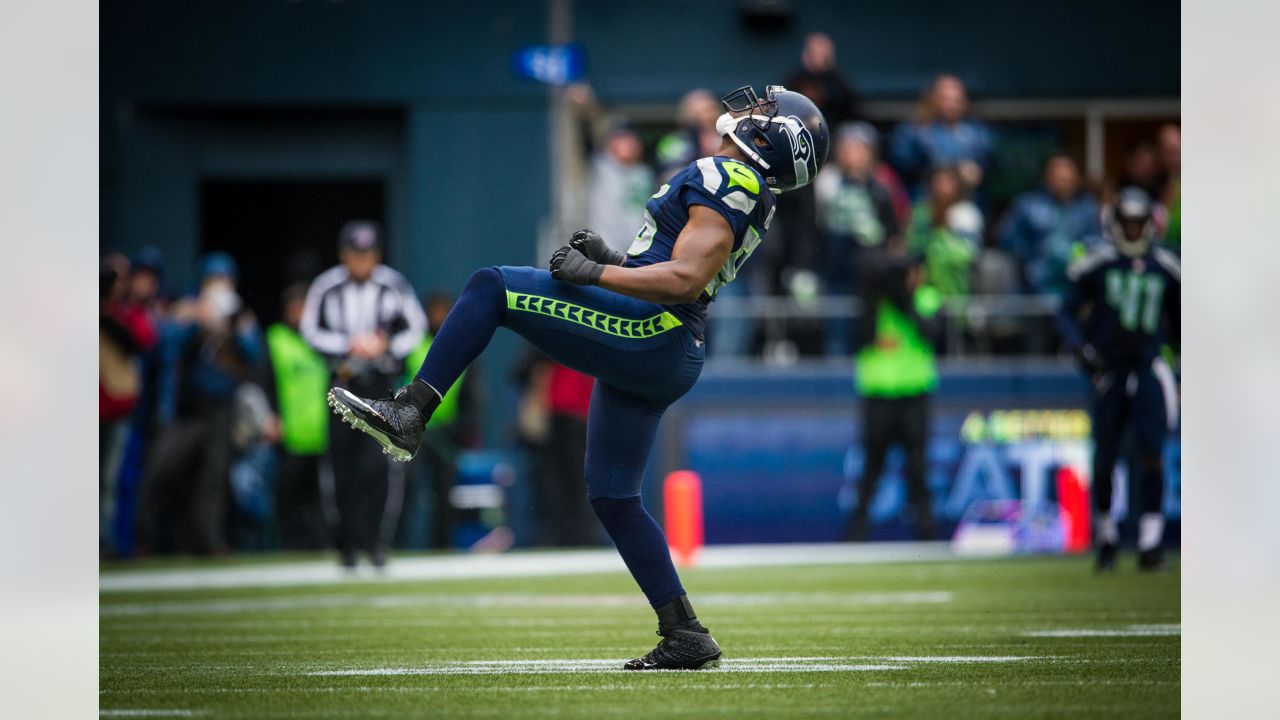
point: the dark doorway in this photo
(282, 231)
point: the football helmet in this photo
(1131, 207)
(784, 135)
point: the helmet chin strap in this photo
(727, 124)
(1132, 248)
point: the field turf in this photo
(1009, 638)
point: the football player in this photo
(635, 321)
(1121, 308)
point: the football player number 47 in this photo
(1137, 298)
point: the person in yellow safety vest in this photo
(453, 426)
(895, 373)
(299, 379)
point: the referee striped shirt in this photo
(339, 309)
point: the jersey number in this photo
(644, 238)
(1137, 299)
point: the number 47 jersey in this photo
(1126, 306)
(731, 188)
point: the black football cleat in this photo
(1151, 560)
(1106, 558)
(393, 422)
(678, 650)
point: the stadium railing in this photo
(975, 325)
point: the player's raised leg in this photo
(397, 423)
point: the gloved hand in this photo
(1090, 360)
(589, 243)
(571, 266)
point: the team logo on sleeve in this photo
(741, 176)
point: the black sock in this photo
(422, 396)
(678, 614)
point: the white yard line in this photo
(729, 665)
(513, 600)
(1130, 631)
(124, 712)
(516, 564)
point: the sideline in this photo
(515, 564)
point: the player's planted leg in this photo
(1108, 413)
(685, 644)
(621, 428)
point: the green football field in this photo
(1011, 638)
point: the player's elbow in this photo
(686, 283)
(688, 290)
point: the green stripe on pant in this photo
(594, 319)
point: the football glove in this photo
(589, 243)
(571, 266)
(1090, 361)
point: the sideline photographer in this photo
(895, 373)
(209, 349)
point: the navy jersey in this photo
(1126, 307)
(731, 188)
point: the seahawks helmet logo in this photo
(802, 157)
(801, 142)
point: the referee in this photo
(364, 318)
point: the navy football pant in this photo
(643, 360)
(1143, 398)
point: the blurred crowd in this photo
(215, 435)
(922, 187)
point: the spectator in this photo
(364, 318)
(298, 381)
(454, 425)
(125, 333)
(1142, 170)
(621, 184)
(888, 177)
(822, 82)
(144, 281)
(895, 375)
(795, 252)
(145, 293)
(945, 230)
(696, 136)
(1048, 228)
(206, 352)
(940, 136)
(1171, 160)
(855, 213)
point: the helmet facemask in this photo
(1132, 209)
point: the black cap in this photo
(361, 235)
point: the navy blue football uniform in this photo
(1126, 308)
(731, 188)
(643, 355)
(1131, 305)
